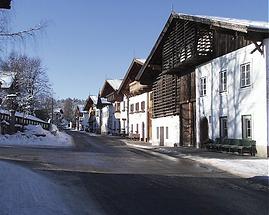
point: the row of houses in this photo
(205, 78)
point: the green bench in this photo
(233, 145)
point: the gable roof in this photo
(115, 84)
(110, 85)
(92, 100)
(131, 72)
(240, 25)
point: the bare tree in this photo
(31, 83)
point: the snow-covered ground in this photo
(246, 168)
(240, 166)
(35, 135)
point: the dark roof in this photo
(131, 73)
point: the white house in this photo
(91, 108)
(233, 96)
(110, 114)
(82, 118)
(139, 116)
(134, 104)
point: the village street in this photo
(101, 175)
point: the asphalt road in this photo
(103, 173)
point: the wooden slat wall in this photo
(188, 43)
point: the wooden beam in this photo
(258, 47)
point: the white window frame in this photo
(245, 75)
(223, 81)
(203, 86)
(246, 127)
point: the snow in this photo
(6, 78)
(94, 99)
(22, 115)
(242, 22)
(141, 60)
(35, 135)
(246, 168)
(115, 84)
(104, 101)
(239, 166)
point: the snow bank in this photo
(35, 135)
(242, 167)
(246, 168)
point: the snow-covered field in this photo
(35, 135)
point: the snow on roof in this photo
(6, 78)
(104, 101)
(22, 115)
(115, 84)
(94, 99)
(142, 61)
(255, 25)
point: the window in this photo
(166, 133)
(137, 128)
(137, 107)
(132, 128)
(246, 127)
(117, 107)
(203, 86)
(158, 134)
(223, 81)
(143, 106)
(132, 108)
(223, 128)
(245, 75)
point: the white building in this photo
(110, 114)
(233, 96)
(135, 105)
(82, 118)
(139, 116)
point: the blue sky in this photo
(89, 41)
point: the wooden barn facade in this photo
(186, 42)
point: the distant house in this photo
(91, 108)
(81, 118)
(7, 79)
(111, 112)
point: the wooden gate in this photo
(187, 124)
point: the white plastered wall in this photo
(237, 101)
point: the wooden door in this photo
(187, 124)
(161, 136)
